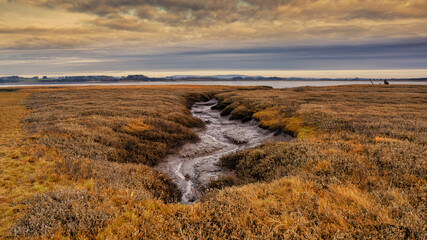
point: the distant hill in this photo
(230, 76)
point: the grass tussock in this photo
(356, 169)
(64, 212)
(141, 180)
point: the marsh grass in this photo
(369, 138)
(122, 126)
(102, 140)
(67, 211)
(356, 170)
(22, 173)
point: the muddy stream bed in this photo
(196, 164)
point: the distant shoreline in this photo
(272, 83)
(64, 81)
(141, 79)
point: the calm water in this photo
(274, 84)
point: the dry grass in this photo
(23, 173)
(68, 212)
(115, 125)
(357, 168)
(102, 140)
(371, 139)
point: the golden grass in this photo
(91, 138)
(356, 170)
(22, 175)
(289, 208)
(372, 138)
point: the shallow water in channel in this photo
(196, 164)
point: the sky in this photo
(285, 38)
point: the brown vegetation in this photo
(357, 168)
(70, 211)
(119, 125)
(103, 140)
(363, 140)
(21, 174)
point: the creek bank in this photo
(196, 164)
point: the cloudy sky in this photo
(316, 38)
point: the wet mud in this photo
(196, 164)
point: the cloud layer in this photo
(248, 31)
(290, 21)
(399, 55)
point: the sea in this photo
(273, 84)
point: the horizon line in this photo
(315, 74)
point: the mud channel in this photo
(196, 164)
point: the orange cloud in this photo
(160, 22)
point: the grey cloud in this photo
(415, 47)
(154, 24)
(399, 55)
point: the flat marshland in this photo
(76, 162)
